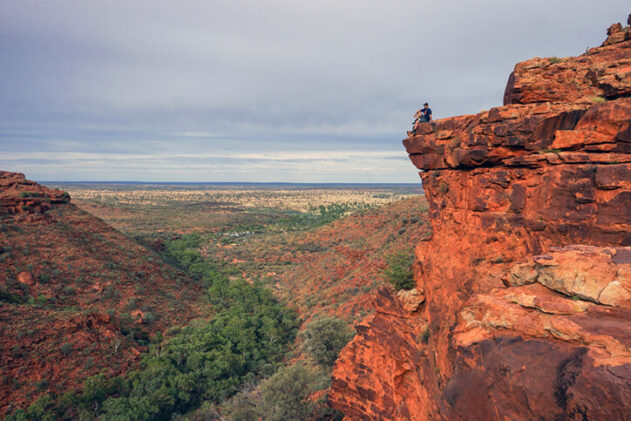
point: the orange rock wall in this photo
(511, 328)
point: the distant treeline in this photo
(411, 188)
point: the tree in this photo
(285, 395)
(325, 337)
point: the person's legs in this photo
(416, 123)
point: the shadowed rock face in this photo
(527, 277)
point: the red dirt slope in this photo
(76, 297)
(338, 277)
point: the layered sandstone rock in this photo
(24, 199)
(600, 72)
(527, 277)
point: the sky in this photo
(268, 91)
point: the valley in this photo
(321, 252)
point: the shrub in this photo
(41, 385)
(399, 270)
(39, 410)
(554, 60)
(598, 99)
(325, 337)
(66, 348)
(244, 406)
(285, 395)
(206, 361)
(148, 317)
(544, 151)
(9, 297)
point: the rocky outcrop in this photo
(597, 274)
(600, 72)
(526, 279)
(26, 200)
(386, 347)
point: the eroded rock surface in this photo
(526, 278)
(604, 72)
(23, 199)
(598, 274)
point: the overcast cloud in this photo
(206, 90)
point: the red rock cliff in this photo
(527, 276)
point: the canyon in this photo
(523, 292)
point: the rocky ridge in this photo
(22, 199)
(526, 279)
(77, 298)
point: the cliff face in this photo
(527, 276)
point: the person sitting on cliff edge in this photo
(424, 115)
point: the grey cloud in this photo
(272, 76)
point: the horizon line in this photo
(220, 182)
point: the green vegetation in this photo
(281, 221)
(321, 215)
(10, 298)
(145, 209)
(26, 194)
(283, 396)
(544, 151)
(554, 60)
(598, 99)
(184, 253)
(207, 361)
(325, 337)
(66, 348)
(399, 270)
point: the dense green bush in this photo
(285, 395)
(66, 348)
(39, 410)
(399, 270)
(184, 252)
(325, 337)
